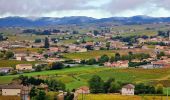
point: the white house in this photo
(128, 89)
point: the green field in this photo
(78, 76)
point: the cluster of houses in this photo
(23, 91)
(118, 64)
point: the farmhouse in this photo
(128, 89)
(24, 67)
(10, 90)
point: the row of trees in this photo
(97, 85)
(117, 57)
(129, 39)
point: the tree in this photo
(114, 87)
(91, 61)
(33, 92)
(103, 59)
(108, 45)
(1, 55)
(55, 85)
(46, 43)
(96, 84)
(159, 89)
(37, 41)
(57, 65)
(69, 96)
(160, 54)
(95, 32)
(107, 84)
(117, 57)
(41, 95)
(9, 54)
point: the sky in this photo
(90, 8)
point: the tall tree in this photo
(46, 43)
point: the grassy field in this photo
(13, 63)
(78, 76)
(118, 97)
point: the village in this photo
(133, 52)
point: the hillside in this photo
(44, 21)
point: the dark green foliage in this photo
(96, 84)
(114, 87)
(108, 45)
(33, 92)
(91, 61)
(9, 54)
(69, 96)
(134, 64)
(55, 85)
(95, 32)
(46, 43)
(160, 54)
(107, 84)
(144, 89)
(37, 41)
(57, 65)
(41, 95)
(103, 59)
(30, 80)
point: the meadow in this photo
(79, 76)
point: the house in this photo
(128, 89)
(24, 67)
(5, 69)
(10, 90)
(51, 60)
(83, 90)
(158, 64)
(118, 64)
(29, 58)
(20, 56)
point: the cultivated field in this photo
(78, 76)
(118, 97)
(98, 53)
(13, 63)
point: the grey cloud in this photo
(147, 6)
(41, 6)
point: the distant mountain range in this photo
(45, 21)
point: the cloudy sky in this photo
(90, 8)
